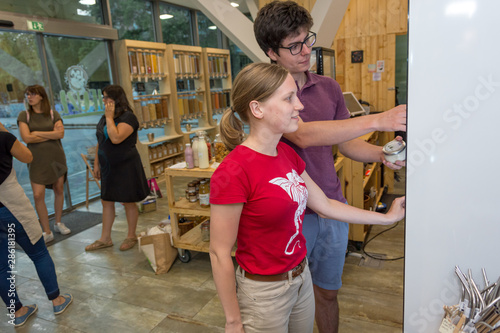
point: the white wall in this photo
(453, 156)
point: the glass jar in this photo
(192, 196)
(395, 151)
(205, 231)
(220, 149)
(204, 194)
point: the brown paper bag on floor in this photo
(159, 251)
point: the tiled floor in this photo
(118, 291)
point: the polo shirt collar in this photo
(310, 81)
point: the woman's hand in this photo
(109, 108)
(397, 211)
(234, 328)
(97, 169)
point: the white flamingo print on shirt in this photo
(294, 187)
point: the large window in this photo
(133, 19)
(207, 31)
(176, 24)
(77, 71)
(238, 59)
(88, 11)
(20, 66)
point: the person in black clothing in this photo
(19, 224)
(118, 166)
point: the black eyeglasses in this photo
(296, 48)
(30, 94)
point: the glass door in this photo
(20, 66)
(78, 71)
(73, 71)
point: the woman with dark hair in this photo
(19, 224)
(119, 166)
(42, 129)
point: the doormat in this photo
(76, 221)
(374, 262)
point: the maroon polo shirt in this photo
(323, 100)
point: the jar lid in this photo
(394, 147)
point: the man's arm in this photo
(332, 132)
(362, 151)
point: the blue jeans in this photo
(10, 230)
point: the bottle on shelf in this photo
(132, 58)
(207, 141)
(195, 152)
(204, 194)
(203, 152)
(188, 155)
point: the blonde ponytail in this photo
(231, 129)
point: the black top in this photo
(122, 174)
(6, 142)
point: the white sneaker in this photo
(48, 238)
(61, 228)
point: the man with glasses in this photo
(282, 30)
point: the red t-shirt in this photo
(270, 239)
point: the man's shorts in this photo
(326, 242)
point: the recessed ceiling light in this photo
(165, 16)
(212, 27)
(234, 4)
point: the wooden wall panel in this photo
(371, 26)
(382, 17)
(363, 14)
(393, 13)
(350, 16)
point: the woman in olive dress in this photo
(42, 129)
(119, 166)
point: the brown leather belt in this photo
(296, 271)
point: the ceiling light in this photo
(234, 4)
(87, 2)
(212, 27)
(165, 16)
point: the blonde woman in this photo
(258, 197)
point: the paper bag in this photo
(159, 251)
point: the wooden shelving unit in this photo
(219, 80)
(189, 91)
(144, 74)
(177, 206)
(361, 180)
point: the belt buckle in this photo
(299, 267)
